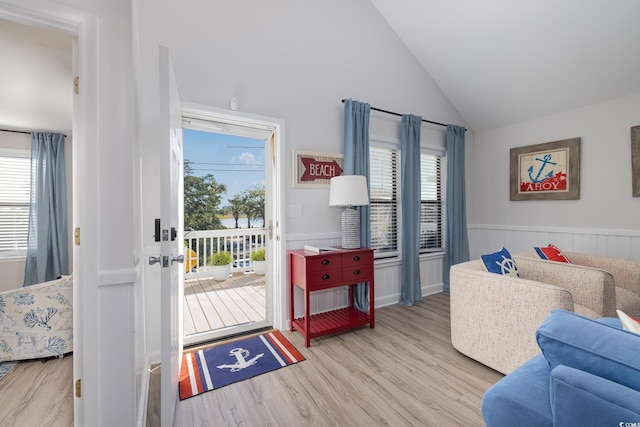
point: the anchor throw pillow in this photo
(500, 262)
(551, 253)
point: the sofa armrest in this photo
(579, 398)
(590, 287)
(625, 272)
(494, 318)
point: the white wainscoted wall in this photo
(486, 238)
(387, 276)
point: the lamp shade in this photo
(348, 190)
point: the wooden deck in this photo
(211, 305)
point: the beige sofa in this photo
(625, 272)
(494, 318)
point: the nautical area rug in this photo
(222, 364)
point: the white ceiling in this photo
(502, 62)
(36, 81)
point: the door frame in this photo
(244, 130)
(276, 297)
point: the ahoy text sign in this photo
(549, 171)
(544, 171)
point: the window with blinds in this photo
(383, 189)
(14, 202)
(431, 202)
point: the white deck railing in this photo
(239, 242)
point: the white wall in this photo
(606, 213)
(289, 60)
(293, 61)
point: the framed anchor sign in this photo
(548, 171)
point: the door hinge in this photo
(78, 388)
(76, 85)
(76, 236)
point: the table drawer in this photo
(356, 274)
(326, 277)
(324, 262)
(357, 258)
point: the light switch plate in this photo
(294, 211)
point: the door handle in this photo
(154, 260)
(179, 259)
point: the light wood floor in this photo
(211, 305)
(403, 372)
(41, 394)
(38, 394)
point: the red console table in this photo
(311, 271)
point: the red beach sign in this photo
(315, 169)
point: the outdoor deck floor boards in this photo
(211, 305)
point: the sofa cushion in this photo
(551, 253)
(521, 398)
(500, 262)
(579, 398)
(569, 339)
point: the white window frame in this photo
(443, 174)
(391, 144)
(23, 154)
(394, 144)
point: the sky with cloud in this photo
(236, 162)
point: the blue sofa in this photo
(587, 375)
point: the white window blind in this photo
(431, 202)
(14, 203)
(384, 200)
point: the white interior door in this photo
(171, 232)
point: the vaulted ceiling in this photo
(502, 62)
(498, 61)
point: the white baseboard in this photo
(395, 299)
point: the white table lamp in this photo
(349, 191)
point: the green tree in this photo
(253, 203)
(236, 207)
(202, 197)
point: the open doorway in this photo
(38, 73)
(226, 189)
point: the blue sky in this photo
(235, 161)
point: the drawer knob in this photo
(325, 262)
(356, 258)
(325, 276)
(356, 272)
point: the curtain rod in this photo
(22, 131)
(400, 115)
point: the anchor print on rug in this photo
(241, 360)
